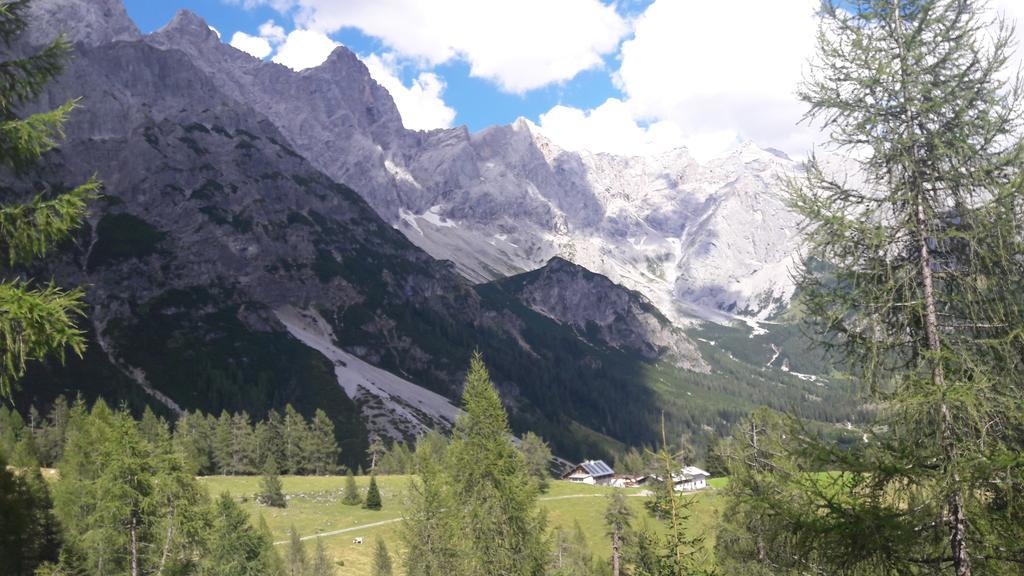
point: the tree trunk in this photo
(616, 553)
(954, 500)
(133, 532)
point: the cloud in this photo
(252, 45)
(729, 65)
(420, 104)
(707, 75)
(303, 49)
(272, 32)
(518, 44)
(610, 128)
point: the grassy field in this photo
(315, 510)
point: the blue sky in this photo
(623, 76)
(478, 103)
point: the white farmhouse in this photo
(594, 472)
(690, 478)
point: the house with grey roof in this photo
(594, 472)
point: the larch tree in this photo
(36, 321)
(617, 516)
(914, 281)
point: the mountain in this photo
(270, 237)
(699, 240)
(596, 307)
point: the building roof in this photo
(694, 471)
(595, 468)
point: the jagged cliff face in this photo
(601, 310)
(697, 240)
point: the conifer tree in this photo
(617, 516)
(430, 531)
(295, 564)
(153, 428)
(236, 548)
(914, 281)
(36, 322)
(222, 444)
(29, 533)
(372, 501)
(571, 555)
(375, 451)
(294, 435)
(271, 491)
(503, 529)
(537, 456)
(241, 444)
(323, 447)
(382, 560)
(321, 561)
(351, 496)
(128, 506)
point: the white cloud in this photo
(725, 66)
(303, 49)
(215, 31)
(421, 104)
(252, 45)
(272, 32)
(518, 44)
(610, 127)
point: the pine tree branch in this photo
(34, 324)
(29, 231)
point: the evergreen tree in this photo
(235, 547)
(376, 450)
(295, 435)
(274, 441)
(351, 496)
(397, 460)
(271, 491)
(373, 501)
(36, 322)
(571, 555)
(537, 456)
(274, 562)
(617, 516)
(914, 281)
(29, 534)
(127, 506)
(51, 440)
(222, 445)
(382, 560)
(502, 527)
(323, 447)
(153, 428)
(295, 564)
(632, 462)
(321, 561)
(242, 444)
(430, 531)
(642, 553)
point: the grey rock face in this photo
(598, 308)
(695, 239)
(91, 23)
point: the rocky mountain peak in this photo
(187, 26)
(88, 22)
(595, 306)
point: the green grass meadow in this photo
(315, 508)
